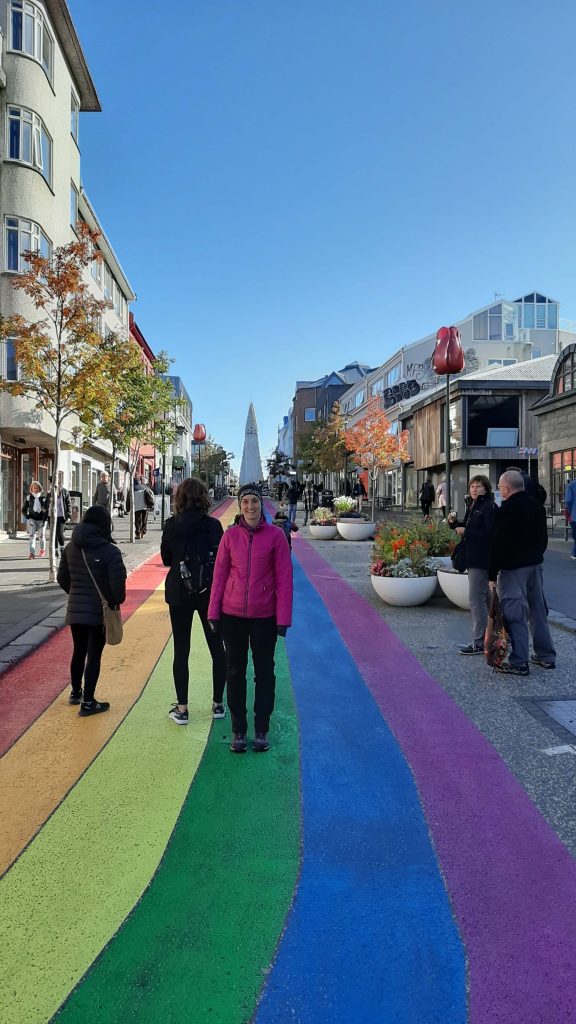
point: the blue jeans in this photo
(573, 528)
(292, 513)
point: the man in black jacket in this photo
(519, 541)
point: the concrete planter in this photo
(404, 592)
(355, 529)
(455, 586)
(323, 532)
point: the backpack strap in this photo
(102, 598)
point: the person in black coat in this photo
(476, 532)
(92, 543)
(63, 515)
(191, 531)
(35, 512)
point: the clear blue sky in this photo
(294, 184)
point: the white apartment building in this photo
(44, 86)
(500, 334)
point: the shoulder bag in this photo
(112, 617)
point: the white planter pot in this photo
(323, 532)
(455, 587)
(404, 593)
(444, 559)
(355, 529)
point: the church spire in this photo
(251, 467)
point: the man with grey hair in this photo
(519, 541)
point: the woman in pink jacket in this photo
(251, 602)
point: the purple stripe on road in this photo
(511, 881)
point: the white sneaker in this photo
(218, 710)
(180, 717)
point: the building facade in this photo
(44, 87)
(556, 415)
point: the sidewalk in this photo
(31, 608)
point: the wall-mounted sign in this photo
(527, 451)
(400, 392)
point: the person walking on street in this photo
(310, 496)
(91, 550)
(358, 492)
(190, 541)
(251, 603)
(427, 495)
(63, 515)
(441, 496)
(35, 512)
(476, 532)
(143, 503)
(292, 495)
(519, 541)
(570, 513)
(101, 495)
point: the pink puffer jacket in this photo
(253, 575)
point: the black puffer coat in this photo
(105, 561)
(479, 524)
(176, 541)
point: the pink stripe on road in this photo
(511, 881)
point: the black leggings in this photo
(260, 635)
(60, 542)
(88, 646)
(181, 617)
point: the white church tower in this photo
(251, 468)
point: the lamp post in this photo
(448, 357)
(199, 437)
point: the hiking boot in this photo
(93, 707)
(471, 649)
(540, 661)
(238, 743)
(75, 697)
(218, 710)
(180, 717)
(260, 743)
(512, 670)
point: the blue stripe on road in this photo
(370, 937)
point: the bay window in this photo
(29, 34)
(28, 141)
(20, 236)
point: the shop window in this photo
(486, 413)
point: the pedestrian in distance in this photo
(427, 495)
(310, 496)
(441, 496)
(251, 603)
(291, 498)
(63, 516)
(281, 520)
(190, 540)
(35, 512)
(533, 488)
(101, 495)
(90, 551)
(476, 532)
(570, 512)
(519, 541)
(358, 492)
(143, 503)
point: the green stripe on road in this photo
(70, 891)
(198, 945)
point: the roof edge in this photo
(68, 37)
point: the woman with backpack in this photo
(251, 604)
(91, 558)
(190, 541)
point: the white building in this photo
(44, 86)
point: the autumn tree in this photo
(373, 444)
(278, 465)
(61, 364)
(330, 442)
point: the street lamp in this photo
(448, 357)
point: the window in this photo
(8, 364)
(359, 398)
(488, 413)
(378, 387)
(73, 205)
(393, 376)
(96, 271)
(28, 141)
(565, 379)
(309, 415)
(502, 362)
(29, 34)
(563, 471)
(495, 323)
(74, 116)
(108, 283)
(20, 236)
(480, 326)
(394, 428)
(536, 353)
(536, 311)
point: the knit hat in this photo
(249, 489)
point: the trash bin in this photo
(76, 509)
(327, 499)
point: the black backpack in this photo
(197, 566)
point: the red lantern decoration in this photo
(199, 434)
(448, 354)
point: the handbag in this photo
(495, 637)
(459, 557)
(112, 618)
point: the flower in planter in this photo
(344, 504)
(323, 517)
(398, 553)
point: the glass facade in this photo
(562, 471)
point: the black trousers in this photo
(86, 657)
(141, 521)
(260, 636)
(60, 541)
(425, 506)
(181, 618)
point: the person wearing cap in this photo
(251, 603)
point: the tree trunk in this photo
(111, 498)
(54, 506)
(374, 478)
(131, 494)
